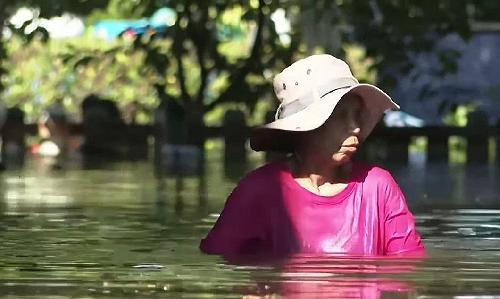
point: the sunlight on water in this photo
(119, 232)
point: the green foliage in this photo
(40, 73)
(50, 8)
(216, 53)
(458, 114)
(119, 9)
(222, 54)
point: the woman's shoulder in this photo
(263, 180)
(371, 173)
(266, 172)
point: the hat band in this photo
(285, 110)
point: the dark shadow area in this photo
(13, 139)
(180, 162)
(106, 136)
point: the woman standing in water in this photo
(318, 200)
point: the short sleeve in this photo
(239, 228)
(400, 233)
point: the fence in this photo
(393, 142)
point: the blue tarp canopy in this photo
(158, 23)
(402, 119)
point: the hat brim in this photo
(276, 136)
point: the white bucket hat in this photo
(308, 91)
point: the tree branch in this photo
(239, 78)
(3, 16)
(178, 49)
(200, 37)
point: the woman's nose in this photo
(356, 131)
(354, 127)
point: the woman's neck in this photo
(320, 171)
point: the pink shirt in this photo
(270, 213)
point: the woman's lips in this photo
(351, 142)
(350, 145)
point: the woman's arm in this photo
(239, 228)
(400, 234)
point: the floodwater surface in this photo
(120, 232)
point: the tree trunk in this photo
(3, 54)
(195, 124)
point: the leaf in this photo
(83, 61)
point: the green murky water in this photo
(118, 232)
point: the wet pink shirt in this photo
(270, 213)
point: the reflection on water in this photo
(120, 232)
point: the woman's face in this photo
(338, 137)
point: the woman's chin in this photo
(342, 158)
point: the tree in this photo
(47, 8)
(241, 76)
(197, 68)
(390, 30)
